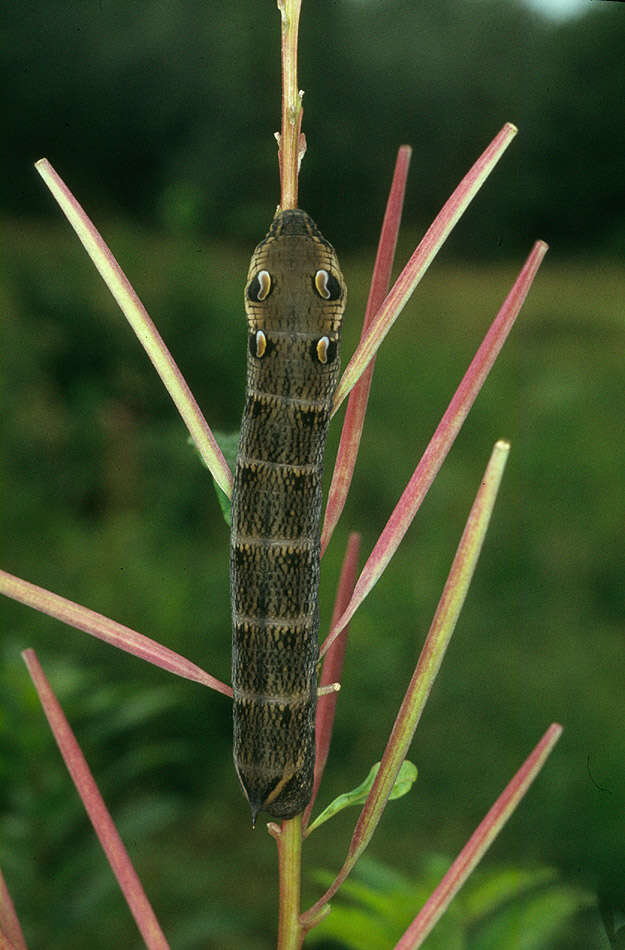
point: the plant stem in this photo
(290, 151)
(290, 932)
(291, 144)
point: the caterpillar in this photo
(295, 297)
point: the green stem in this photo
(290, 932)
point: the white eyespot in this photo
(261, 340)
(321, 284)
(326, 285)
(322, 349)
(260, 286)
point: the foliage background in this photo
(159, 115)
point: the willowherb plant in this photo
(393, 775)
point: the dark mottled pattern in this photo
(276, 509)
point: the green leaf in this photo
(406, 778)
(228, 442)
(224, 503)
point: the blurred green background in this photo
(160, 117)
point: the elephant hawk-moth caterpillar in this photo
(294, 300)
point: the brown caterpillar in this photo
(294, 299)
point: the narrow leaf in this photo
(479, 842)
(137, 317)
(435, 646)
(10, 929)
(359, 396)
(99, 815)
(437, 233)
(406, 778)
(5, 943)
(96, 625)
(445, 434)
(425, 673)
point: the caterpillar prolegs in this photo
(294, 300)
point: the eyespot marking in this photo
(260, 342)
(260, 286)
(323, 345)
(326, 285)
